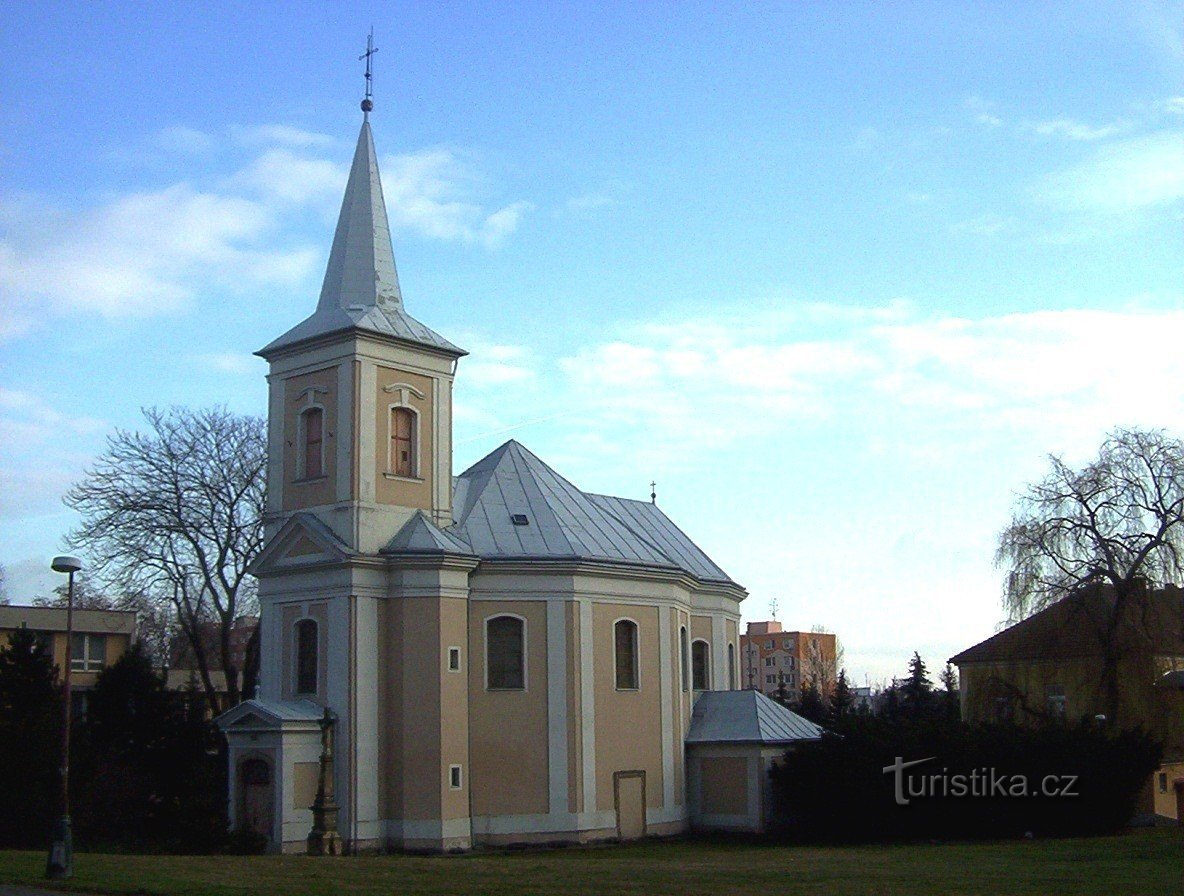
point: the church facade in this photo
(508, 658)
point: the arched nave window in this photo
(700, 666)
(625, 654)
(403, 439)
(505, 653)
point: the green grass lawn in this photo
(1149, 862)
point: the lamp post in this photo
(61, 851)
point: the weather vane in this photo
(368, 102)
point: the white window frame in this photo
(525, 653)
(454, 654)
(456, 777)
(636, 654)
(401, 392)
(87, 662)
(707, 666)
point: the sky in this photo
(838, 277)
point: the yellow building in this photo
(100, 638)
(1048, 668)
(509, 658)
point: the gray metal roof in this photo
(557, 520)
(746, 717)
(274, 711)
(420, 535)
(361, 286)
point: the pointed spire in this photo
(361, 291)
(361, 271)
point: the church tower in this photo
(360, 403)
(355, 617)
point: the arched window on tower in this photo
(403, 442)
(731, 667)
(312, 443)
(700, 666)
(306, 656)
(505, 653)
(625, 654)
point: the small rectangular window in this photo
(1163, 782)
(454, 778)
(453, 659)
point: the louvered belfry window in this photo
(403, 442)
(505, 654)
(625, 637)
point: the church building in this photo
(508, 659)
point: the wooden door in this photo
(629, 795)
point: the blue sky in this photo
(837, 276)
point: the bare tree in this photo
(175, 514)
(1116, 524)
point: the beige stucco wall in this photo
(508, 729)
(299, 494)
(397, 490)
(628, 723)
(1165, 801)
(290, 614)
(454, 715)
(723, 782)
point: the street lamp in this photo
(61, 852)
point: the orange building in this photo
(770, 656)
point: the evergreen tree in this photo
(30, 741)
(149, 772)
(812, 707)
(951, 698)
(917, 690)
(840, 703)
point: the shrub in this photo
(838, 789)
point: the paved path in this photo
(13, 890)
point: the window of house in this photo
(1163, 782)
(454, 777)
(787, 644)
(505, 654)
(732, 666)
(770, 661)
(453, 659)
(1055, 701)
(625, 653)
(769, 645)
(790, 662)
(768, 679)
(403, 460)
(1004, 709)
(700, 666)
(88, 653)
(684, 660)
(306, 656)
(312, 440)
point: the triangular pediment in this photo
(302, 541)
(269, 715)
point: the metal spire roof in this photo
(361, 286)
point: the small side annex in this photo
(738, 736)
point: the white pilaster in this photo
(666, 696)
(557, 751)
(587, 706)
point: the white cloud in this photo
(281, 175)
(433, 193)
(1076, 130)
(495, 364)
(140, 254)
(1173, 105)
(590, 201)
(1126, 176)
(1054, 373)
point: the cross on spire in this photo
(653, 492)
(368, 102)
